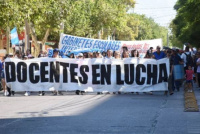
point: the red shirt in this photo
(189, 74)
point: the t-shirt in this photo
(176, 59)
(160, 55)
(189, 74)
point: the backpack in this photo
(189, 60)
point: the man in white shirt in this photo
(187, 52)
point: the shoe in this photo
(6, 93)
(171, 93)
(27, 93)
(13, 93)
(82, 92)
(77, 92)
(151, 93)
(41, 93)
(55, 93)
(60, 93)
(119, 92)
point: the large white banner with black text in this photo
(92, 75)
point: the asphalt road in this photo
(97, 114)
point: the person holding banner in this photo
(98, 54)
(158, 54)
(170, 79)
(3, 82)
(71, 55)
(150, 52)
(117, 55)
(56, 55)
(90, 55)
(109, 54)
(135, 53)
(126, 54)
(104, 54)
(80, 56)
(41, 93)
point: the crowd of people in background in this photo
(176, 57)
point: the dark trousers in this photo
(170, 84)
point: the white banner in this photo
(69, 43)
(92, 75)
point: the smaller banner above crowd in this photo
(92, 75)
(69, 43)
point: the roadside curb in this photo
(190, 100)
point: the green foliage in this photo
(185, 27)
(81, 18)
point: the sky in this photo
(160, 10)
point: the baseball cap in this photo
(80, 55)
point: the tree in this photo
(185, 26)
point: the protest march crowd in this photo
(188, 58)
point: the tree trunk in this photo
(34, 39)
(45, 39)
(8, 40)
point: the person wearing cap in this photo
(80, 56)
(158, 54)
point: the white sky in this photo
(160, 10)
